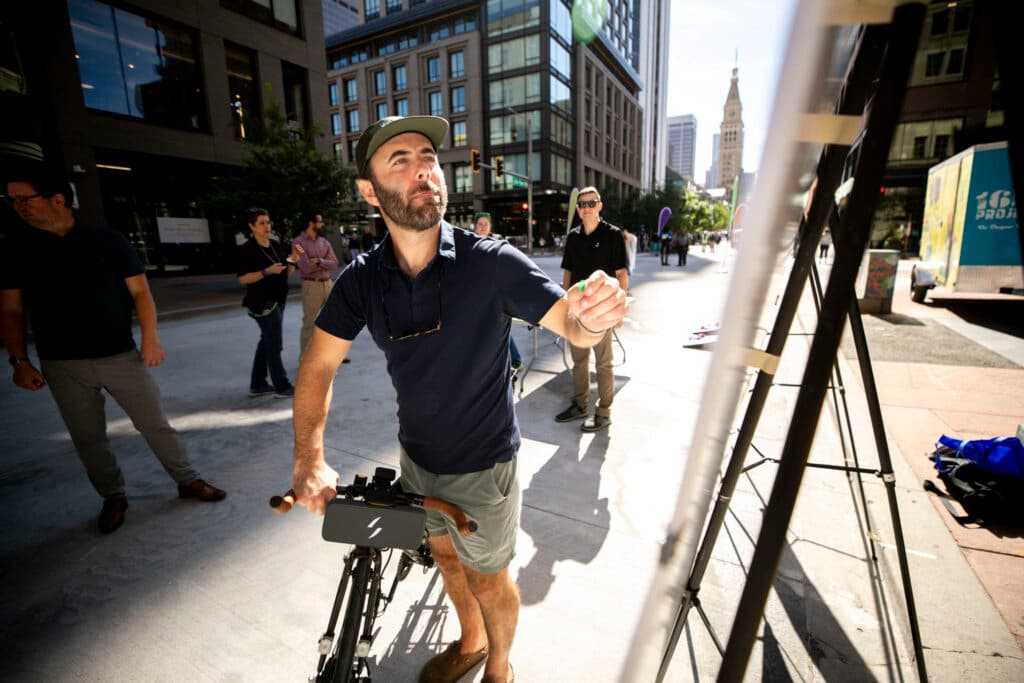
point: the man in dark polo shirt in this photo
(79, 298)
(595, 245)
(439, 302)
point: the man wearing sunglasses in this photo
(439, 302)
(594, 246)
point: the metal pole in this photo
(529, 186)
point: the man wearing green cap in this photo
(439, 303)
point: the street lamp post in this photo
(528, 178)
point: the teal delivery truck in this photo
(970, 240)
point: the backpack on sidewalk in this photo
(986, 497)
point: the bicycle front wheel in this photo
(345, 671)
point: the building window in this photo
(955, 65)
(920, 146)
(398, 78)
(337, 151)
(402, 107)
(433, 69)
(561, 97)
(380, 84)
(459, 136)
(137, 66)
(394, 6)
(435, 105)
(515, 91)
(332, 94)
(561, 131)
(382, 110)
(463, 178)
(560, 59)
(243, 92)
(911, 142)
(296, 94)
(282, 14)
(353, 120)
(352, 144)
(561, 170)
(933, 67)
(513, 54)
(351, 90)
(561, 21)
(458, 100)
(456, 65)
(371, 9)
(335, 124)
(509, 128)
(511, 15)
(941, 146)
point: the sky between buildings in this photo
(703, 39)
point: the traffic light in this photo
(474, 160)
(499, 166)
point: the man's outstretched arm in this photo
(313, 480)
(586, 312)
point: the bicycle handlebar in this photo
(466, 526)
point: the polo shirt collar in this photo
(445, 247)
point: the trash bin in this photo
(876, 280)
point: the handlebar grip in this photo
(282, 504)
(464, 524)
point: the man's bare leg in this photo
(471, 621)
(498, 597)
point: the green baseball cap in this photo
(434, 128)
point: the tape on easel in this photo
(763, 361)
(830, 129)
(847, 12)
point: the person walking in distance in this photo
(316, 260)
(438, 301)
(482, 227)
(80, 304)
(263, 267)
(595, 245)
(684, 247)
(826, 242)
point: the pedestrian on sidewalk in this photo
(684, 248)
(263, 267)
(593, 246)
(80, 298)
(666, 246)
(438, 301)
(482, 227)
(316, 260)
(826, 242)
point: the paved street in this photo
(232, 592)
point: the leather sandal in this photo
(450, 665)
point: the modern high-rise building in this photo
(730, 141)
(514, 78)
(142, 102)
(652, 49)
(682, 144)
(711, 179)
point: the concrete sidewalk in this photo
(231, 592)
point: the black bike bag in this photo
(359, 523)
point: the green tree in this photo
(284, 173)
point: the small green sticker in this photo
(581, 285)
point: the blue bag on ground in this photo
(1001, 455)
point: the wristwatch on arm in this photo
(17, 360)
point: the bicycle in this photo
(375, 516)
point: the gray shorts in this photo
(490, 497)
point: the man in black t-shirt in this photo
(80, 299)
(594, 245)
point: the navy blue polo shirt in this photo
(455, 412)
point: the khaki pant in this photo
(77, 387)
(314, 295)
(605, 375)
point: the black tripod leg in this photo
(889, 479)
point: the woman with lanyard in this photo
(263, 267)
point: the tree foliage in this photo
(690, 212)
(284, 173)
